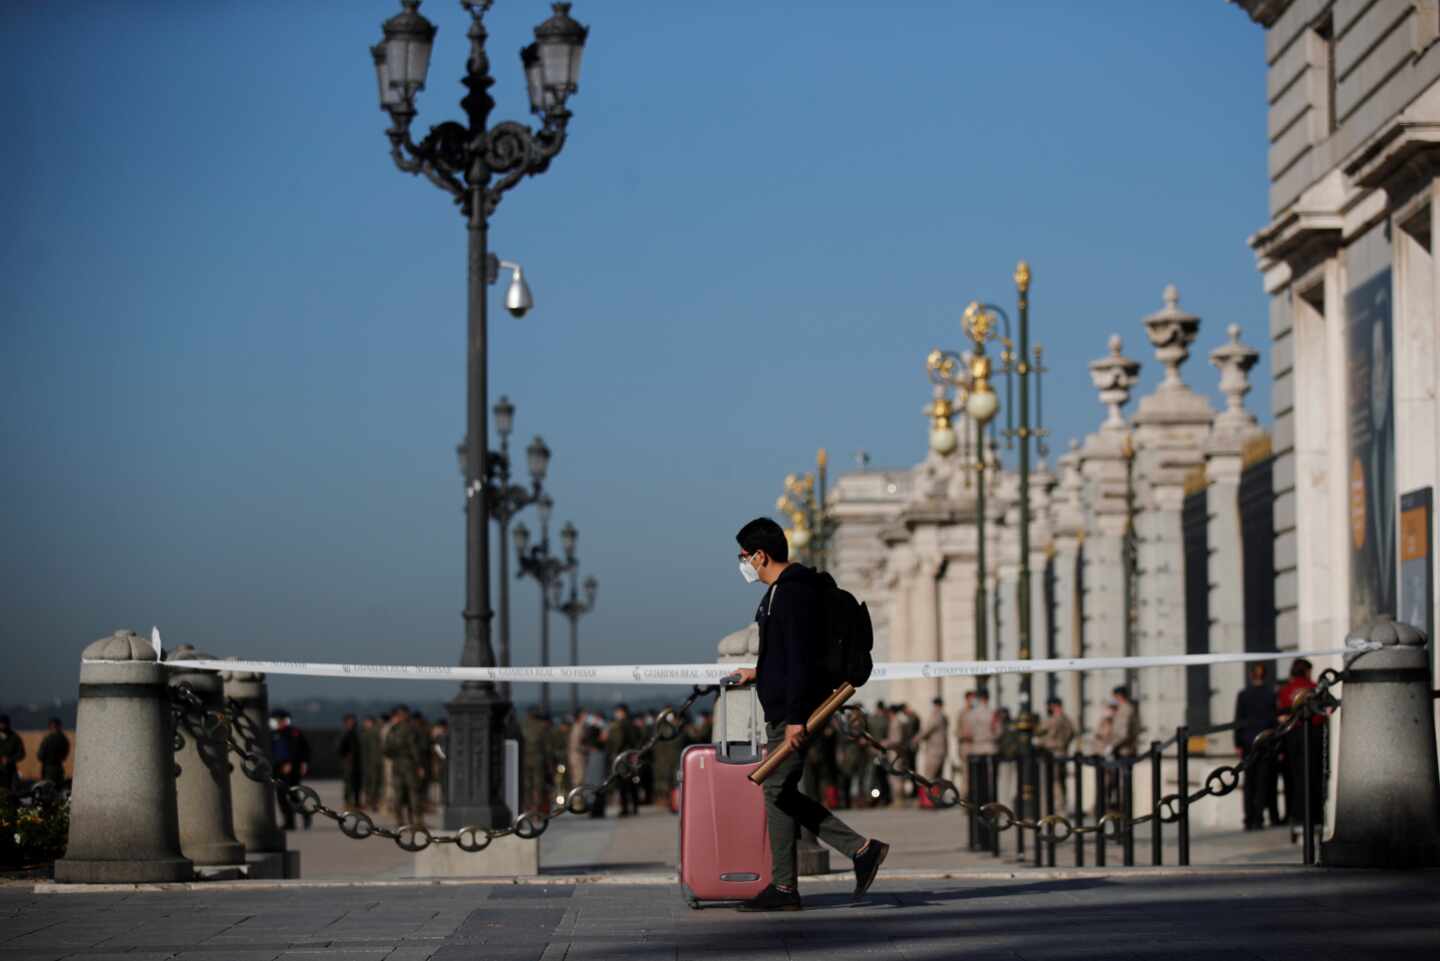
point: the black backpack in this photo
(849, 636)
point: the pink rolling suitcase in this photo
(724, 840)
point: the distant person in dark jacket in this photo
(352, 761)
(791, 618)
(1255, 714)
(290, 753)
(12, 752)
(54, 749)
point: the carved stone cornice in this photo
(1398, 161)
(1263, 12)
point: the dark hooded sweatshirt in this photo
(791, 619)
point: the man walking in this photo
(1255, 714)
(54, 749)
(790, 618)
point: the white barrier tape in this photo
(686, 674)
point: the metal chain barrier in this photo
(243, 740)
(1057, 828)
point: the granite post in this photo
(202, 789)
(1387, 799)
(253, 801)
(123, 822)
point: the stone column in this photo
(1387, 800)
(1233, 428)
(253, 801)
(1102, 465)
(1042, 548)
(123, 824)
(1005, 642)
(925, 635)
(1068, 520)
(202, 789)
(901, 568)
(1171, 428)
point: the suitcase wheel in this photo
(694, 903)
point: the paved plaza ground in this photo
(1276, 914)
(608, 891)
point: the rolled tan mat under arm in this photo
(817, 720)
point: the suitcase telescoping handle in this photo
(729, 688)
(817, 720)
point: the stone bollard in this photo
(202, 791)
(252, 801)
(123, 822)
(1387, 797)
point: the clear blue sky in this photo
(232, 366)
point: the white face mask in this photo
(750, 574)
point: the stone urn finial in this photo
(1234, 361)
(1172, 331)
(1114, 376)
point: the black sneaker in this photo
(867, 865)
(772, 899)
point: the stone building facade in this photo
(1348, 262)
(1111, 558)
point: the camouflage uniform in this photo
(372, 757)
(536, 737)
(406, 756)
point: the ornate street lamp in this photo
(968, 376)
(574, 607)
(537, 562)
(982, 404)
(804, 503)
(476, 163)
(504, 500)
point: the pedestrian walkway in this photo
(1270, 914)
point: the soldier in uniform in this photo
(372, 758)
(54, 749)
(405, 754)
(534, 734)
(666, 760)
(1054, 735)
(352, 761)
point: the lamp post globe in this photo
(982, 403)
(800, 538)
(537, 456)
(521, 536)
(504, 417)
(568, 536)
(943, 440)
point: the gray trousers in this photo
(787, 811)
